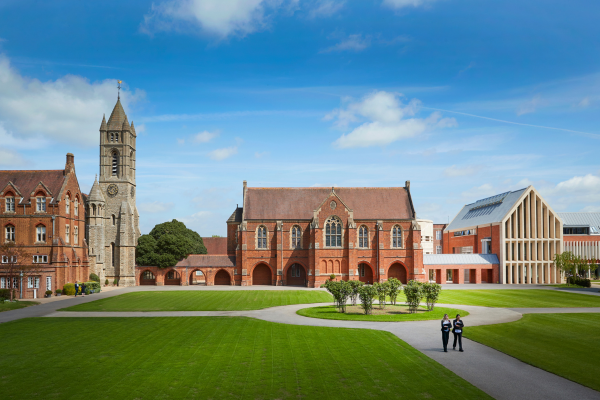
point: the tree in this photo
(167, 244)
(566, 263)
(354, 286)
(367, 294)
(383, 289)
(414, 293)
(340, 292)
(395, 286)
(431, 292)
(17, 266)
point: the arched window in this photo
(296, 237)
(172, 274)
(363, 237)
(147, 275)
(261, 237)
(76, 207)
(397, 237)
(112, 137)
(68, 204)
(76, 234)
(40, 233)
(67, 234)
(93, 209)
(9, 233)
(41, 204)
(115, 163)
(117, 137)
(333, 232)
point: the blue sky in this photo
(465, 99)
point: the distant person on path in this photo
(446, 326)
(458, 330)
(83, 289)
(76, 288)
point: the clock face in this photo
(112, 190)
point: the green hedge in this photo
(69, 289)
(5, 294)
(575, 280)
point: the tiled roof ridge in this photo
(329, 187)
(487, 197)
(32, 170)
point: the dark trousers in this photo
(459, 337)
(445, 338)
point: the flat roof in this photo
(459, 259)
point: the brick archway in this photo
(262, 275)
(398, 270)
(365, 273)
(222, 277)
(197, 277)
(172, 277)
(296, 275)
(147, 278)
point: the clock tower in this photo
(117, 228)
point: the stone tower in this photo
(116, 188)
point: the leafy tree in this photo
(340, 292)
(354, 286)
(431, 291)
(414, 293)
(167, 244)
(94, 277)
(16, 266)
(394, 286)
(383, 289)
(367, 294)
(566, 262)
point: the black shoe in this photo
(461, 350)
(445, 351)
(454, 348)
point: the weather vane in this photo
(119, 87)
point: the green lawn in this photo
(7, 306)
(213, 358)
(558, 343)
(396, 313)
(517, 298)
(203, 300)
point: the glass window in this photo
(41, 233)
(41, 204)
(397, 237)
(296, 236)
(438, 250)
(10, 233)
(363, 237)
(261, 240)
(448, 275)
(67, 234)
(148, 275)
(438, 235)
(67, 205)
(295, 271)
(30, 282)
(333, 232)
(2, 283)
(76, 234)
(10, 204)
(76, 208)
(48, 283)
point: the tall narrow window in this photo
(261, 240)
(10, 204)
(114, 220)
(115, 164)
(76, 207)
(397, 237)
(363, 237)
(296, 236)
(76, 234)
(68, 204)
(116, 137)
(41, 233)
(48, 283)
(112, 254)
(112, 137)
(10, 233)
(333, 232)
(41, 204)
(67, 234)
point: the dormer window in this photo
(10, 204)
(41, 204)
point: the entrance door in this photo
(148, 278)
(296, 276)
(262, 275)
(399, 272)
(365, 274)
(222, 278)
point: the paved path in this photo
(499, 375)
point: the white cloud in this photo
(205, 137)
(352, 43)
(67, 110)
(384, 121)
(10, 158)
(155, 207)
(398, 4)
(588, 184)
(221, 154)
(469, 170)
(325, 8)
(529, 106)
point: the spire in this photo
(96, 193)
(125, 126)
(103, 124)
(133, 129)
(117, 117)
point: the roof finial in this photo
(119, 92)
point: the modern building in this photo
(112, 220)
(303, 236)
(427, 241)
(581, 235)
(43, 212)
(519, 227)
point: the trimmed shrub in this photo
(354, 288)
(69, 289)
(414, 294)
(95, 286)
(5, 295)
(575, 280)
(383, 290)
(394, 286)
(94, 278)
(106, 282)
(115, 282)
(340, 292)
(367, 294)
(332, 277)
(431, 291)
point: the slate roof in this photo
(459, 259)
(215, 245)
(299, 203)
(236, 216)
(27, 181)
(115, 122)
(485, 211)
(580, 219)
(206, 260)
(95, 192)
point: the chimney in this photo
(407, 185)
(244, 192)
(70, 165)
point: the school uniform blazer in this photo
(458, 325)
(446, 325)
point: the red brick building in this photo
(43, 211)
(438, 238)
(302, 236)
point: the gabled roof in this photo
(28, 181)
(299, 203)
(581, 219)
(236, 217)
(205, 260)
(459, 259)
(485, 211)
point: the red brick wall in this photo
(185, 273)
(215, 245)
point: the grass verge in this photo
(388, 314)
(517, 298)
(203, 300)
(15, 305)
(213, 358)
(558, 343)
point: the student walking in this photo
(76, 288)
(458, 331)
(446, 325)
(83, 289)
